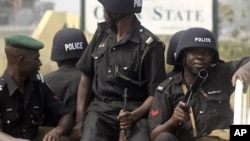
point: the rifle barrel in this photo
(197, 83)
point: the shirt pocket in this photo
(36, 115)
(219, 112)
(98, 56)
(10, 117)
(219, 103)
(130, 72)
(98, 53)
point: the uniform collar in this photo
(135, 31)
(12, 87)
(63, 66)
(178, 79)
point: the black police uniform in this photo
(22, 113)
(64, 83)
(115, 66)
(211, 108)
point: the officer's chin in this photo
(195, 71)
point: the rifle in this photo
(123, 132)
(198, 82)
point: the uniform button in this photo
(24, 130)
(113, 48)
(96, 57)
(201, 112)
(219, 101)
(125, 68)
(141, 30)
(8, 121)
(109, 71)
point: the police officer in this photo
(210, 110)
(171, 53)
(122, 54)
(24, 98)
(68, 46)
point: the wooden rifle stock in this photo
(123, 132)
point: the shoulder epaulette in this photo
(150, 39)
(38, 77)
(163, 84)
(2, 84)
(147, 36)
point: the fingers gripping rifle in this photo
(198, 82)
(123, 132)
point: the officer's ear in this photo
(20, 60)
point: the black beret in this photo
(23, 41)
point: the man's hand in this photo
(77, 131)
(243, 74)
(180, 114)
(53, 135)
(125, 118)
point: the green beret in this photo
(24, 42)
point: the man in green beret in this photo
(24, 98)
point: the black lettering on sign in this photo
(161, 14)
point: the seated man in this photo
(66, 58)
(170, 118)
(24, 98)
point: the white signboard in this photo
(162, 17)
